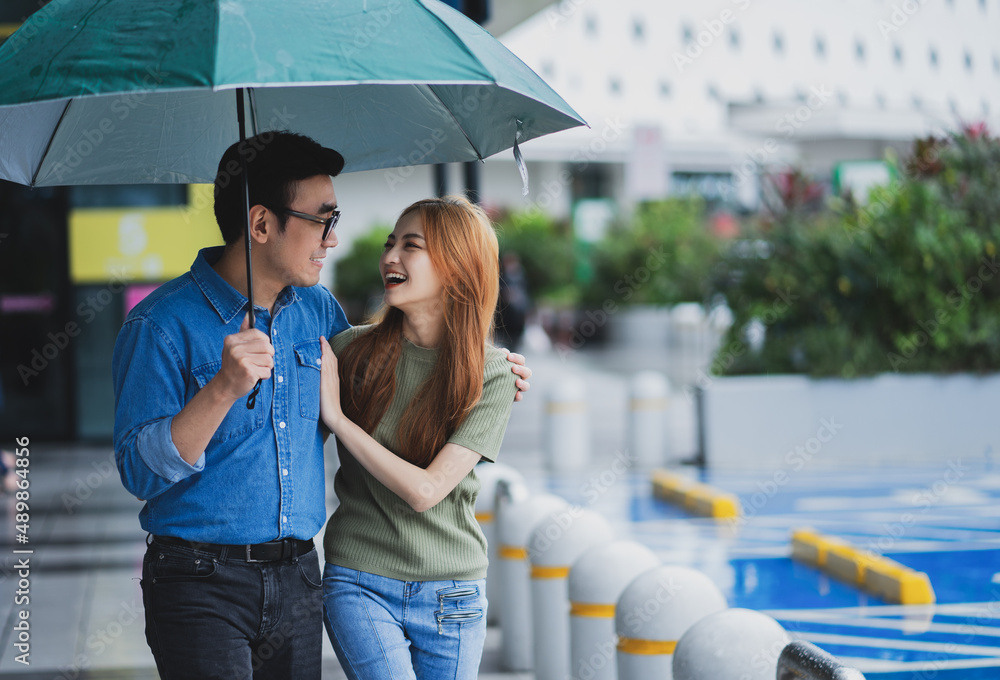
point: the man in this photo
(234, 495)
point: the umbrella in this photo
(141, 91)
(151, 91)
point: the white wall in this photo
(787, 422)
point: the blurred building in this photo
(700, 96)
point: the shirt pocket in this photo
(240, 421)
(309, 360)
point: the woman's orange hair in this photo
(463, 248)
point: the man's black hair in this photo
(275, 161)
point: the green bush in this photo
(662, 256)
(905, 282)
(546, 250)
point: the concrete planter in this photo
(792, 421)
(639, 327)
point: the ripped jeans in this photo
(386, 629)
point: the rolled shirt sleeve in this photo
(149, 392)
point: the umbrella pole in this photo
(241, 122)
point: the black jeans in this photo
(219, 616)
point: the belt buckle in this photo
(249, 558)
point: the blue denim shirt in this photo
(261, 476)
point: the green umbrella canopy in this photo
(141, 91)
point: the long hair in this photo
(463, 249)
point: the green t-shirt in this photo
(376, 531)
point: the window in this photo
(638, 30)
(128, 195)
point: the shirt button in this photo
(284, 472)
(284, 519)
(281, 378)
(319, 361)
(282, 424)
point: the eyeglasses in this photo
(329, 223)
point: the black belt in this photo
(272, 551)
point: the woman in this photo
(419, 400)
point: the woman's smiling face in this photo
(411, 282)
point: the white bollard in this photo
(515, 521)
(567, 437)
(687, 330)
(734, 643)
(648, 419)
(596, 581)
(654, 611)
(555, 544)
(490, 475)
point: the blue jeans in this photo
(386, 629)
(210, 616)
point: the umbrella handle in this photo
(241, 123)
(252, 397)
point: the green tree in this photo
(357, 278)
